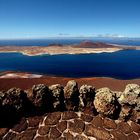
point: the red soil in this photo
(27, 83)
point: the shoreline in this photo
(82, 48)
(30, 75)
(55, 50)
(98, 82)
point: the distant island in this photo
(85, 47)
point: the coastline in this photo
(56, 50)
(85, 47)
(26, 81)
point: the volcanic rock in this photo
(71, 94)
(124, 127)
(130, 102)
(41, 97)
(105, 101)
(132, 136)
(21, 126)
(69, 115)
(99, 133)
(77, 126)
(54, 133)
(34, 121)
(135, 116)
(86, 117)
(126, 112)
(86, 97)
(131, 95)
(109, 124)
(58, 96)
(68, 136)
(28, 134)
(43, 130)
(97, 121)
(13, 98)
(89, 44)
(118, 135)
(3, 131)
(2, 95)
(135, 127)
(12, 104)
(80, 137)
(53, 119)
(10, 136)
(62, 126)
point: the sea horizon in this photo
(68, 41)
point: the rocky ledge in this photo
(69, 112)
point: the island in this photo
(85, 47)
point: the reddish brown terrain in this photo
(98, 82)
(69, 124)
(86, 123)
(89, 44)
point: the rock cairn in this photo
(70, 113)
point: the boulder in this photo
(41, 97)
(105, 102)
(2, 95)
(131, 95)
(130, 102)
(86, 96)
(58, 96)
(71, 94)
(12, 105)
(13, 98)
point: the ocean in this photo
(67, 41)
(121, 65)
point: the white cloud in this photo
(63, 34)
(109, 35)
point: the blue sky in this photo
(67, 18)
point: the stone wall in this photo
(16, 103)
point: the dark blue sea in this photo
(67, 41)
(121, 65)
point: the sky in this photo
(69, 18)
